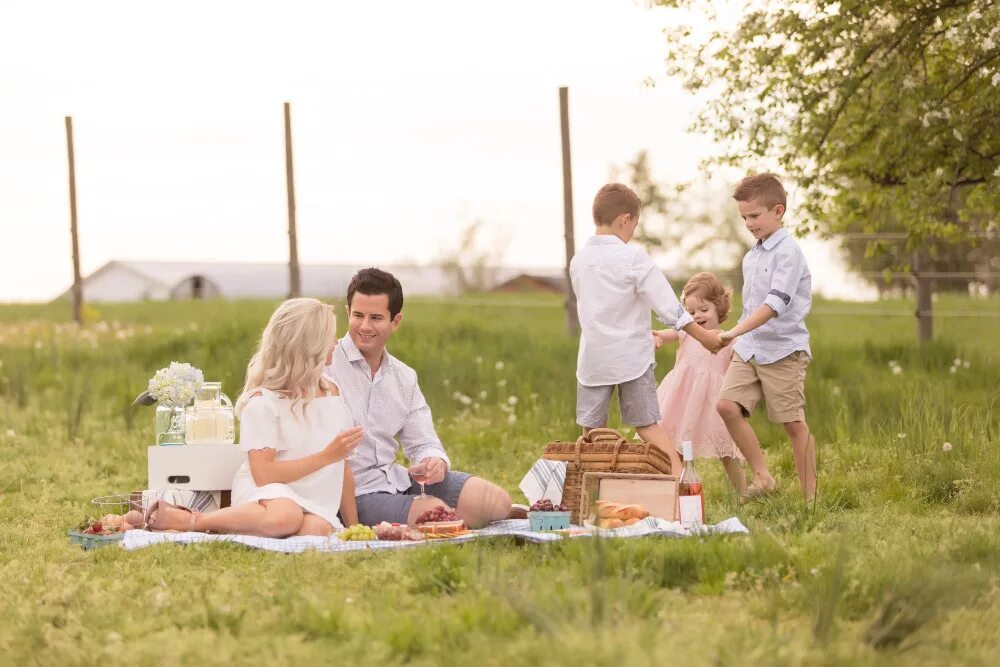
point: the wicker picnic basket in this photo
(603, 450)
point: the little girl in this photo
(296, 430)
(689, 392)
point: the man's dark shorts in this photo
(374, 508)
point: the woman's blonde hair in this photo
(292, 352)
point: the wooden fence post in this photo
(572, 319)
(294, 276)
(925, 320)
(77, 290)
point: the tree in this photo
(695, 222)
(886, 114)
(473, 263)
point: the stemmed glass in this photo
(418, 472)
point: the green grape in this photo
(357, 533)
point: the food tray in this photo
(657, 493)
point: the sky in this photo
(410, 121)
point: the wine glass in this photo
(419, 472)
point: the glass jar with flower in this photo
(172, 389)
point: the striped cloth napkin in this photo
(199, 501)
(544, 480)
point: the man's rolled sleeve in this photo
(785, 279)
(417, 436)
(653, 286)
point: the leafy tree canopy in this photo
(886, 114)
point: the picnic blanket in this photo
(518, 529)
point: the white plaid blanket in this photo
(137, 539)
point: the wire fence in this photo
(822, 310)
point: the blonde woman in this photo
(296, 430)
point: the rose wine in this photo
(690, 501)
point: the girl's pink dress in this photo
(687, 398)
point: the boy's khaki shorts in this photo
(781, 384)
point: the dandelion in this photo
(11, 433)
(499, 365)
(953, 370)
(814, 571)
(483, 395)
(957, 362)
(966, 364)
(38, 345)
(348, 600)
(479, 360)
(447, 382)
(512, 400)
(194, 326)
(501, 383)
(512, 419)
(465, 400)
(533, 397)
(114, 637)
(835, 391)
(896, 370)
(946, 447)
(456, 395)
(900, 435)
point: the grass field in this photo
(897, 563)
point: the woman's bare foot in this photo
(165, 516)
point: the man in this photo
(384, 397)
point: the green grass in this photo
(896, 563)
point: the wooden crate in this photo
(657, 493)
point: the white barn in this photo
(119, 281)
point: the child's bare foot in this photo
(760, 486)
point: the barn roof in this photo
(236, 280)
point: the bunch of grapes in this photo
(357, 533)
(545, 505)
(439, 513)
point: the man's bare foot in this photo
(760, 486)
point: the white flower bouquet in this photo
(173, 386)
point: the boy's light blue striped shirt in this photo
(775, 273)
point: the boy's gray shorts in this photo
(636, 398)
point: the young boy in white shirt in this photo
(772, 353)
(616, 287)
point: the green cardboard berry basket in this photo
(90, 542)
(542, 521)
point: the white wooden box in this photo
(193, 467)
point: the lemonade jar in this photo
(211, 420)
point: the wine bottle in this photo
(690, 501)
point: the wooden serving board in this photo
(656, 493)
